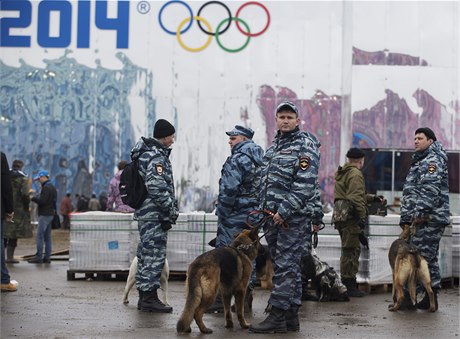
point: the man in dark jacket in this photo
(46, 202)
(21, 227)
(7, 213)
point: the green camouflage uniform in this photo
(350, 207)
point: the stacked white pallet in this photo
(102, 241)
(177, 246)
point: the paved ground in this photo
(47, 305)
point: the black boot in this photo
(139, 302)
(424, 304)
(274, 323)
(406, 304)
(10, 255)
(151, 303)
(292, 319)
(217, 307)
(353, 291)
(247, 302)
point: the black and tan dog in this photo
(264, 266)
(227, 269)
(408, 266)
(326, 281)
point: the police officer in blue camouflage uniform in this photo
(157, 213)
(289, 184)
(238, 196)
(425, 203)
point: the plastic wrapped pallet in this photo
(455, 246)
(177, 247)
(102, 241)
(189, 238)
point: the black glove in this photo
(362, 223)
(363, 240)
(166, 225)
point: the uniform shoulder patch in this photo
(432, 167)
(159, 168)
(304, 163)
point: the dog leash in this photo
(267, 215)
(315, 235)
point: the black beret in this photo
(427, 131)
(355, 153)
(163, 129)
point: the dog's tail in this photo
(194, 296)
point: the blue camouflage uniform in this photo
(238, 192)
(426, 196)
(160, 205)
(289, 186)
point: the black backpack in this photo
(132, 187)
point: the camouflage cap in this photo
(240, 130)
(287, 106)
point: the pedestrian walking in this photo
(114, 202)
(66, 209)
(46, 202)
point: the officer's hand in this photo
(174, 214)
(317, 226)
(419, 221)
(9, 217)
(166, 225)
(362, 223)
(277, 219)
(378, 198)
(363, 240)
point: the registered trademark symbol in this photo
(143, 7)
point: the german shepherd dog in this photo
(264, 266)
(408, 266)
(227, 269)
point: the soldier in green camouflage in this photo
(425, 203)
(350, 216)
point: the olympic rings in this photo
(209, 31)
(257, 4)
(229, 15)
(198, 49)
(238, 49)
(172, 2)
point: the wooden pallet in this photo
(98, 275)
(378, 288)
